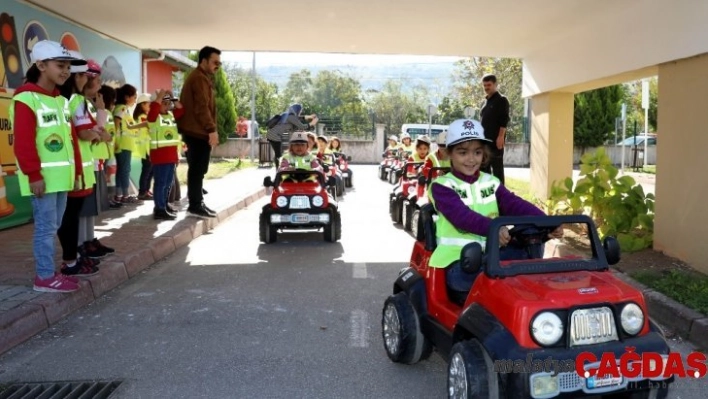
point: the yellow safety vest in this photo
(53, 141)
(84, 146)
(480, 197)
(163, 132)
(142, 140)
(126, 137)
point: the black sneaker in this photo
(213, 212)
(169, 208)
(80, 269)
(204, 192)
(200, 212)
(162, 214)
(101, 247)
(90, 250)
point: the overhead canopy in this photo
(564, 44)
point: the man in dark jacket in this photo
(198, 127)
(495, 118)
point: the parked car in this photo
(629, 141)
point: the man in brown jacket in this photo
(198, 127)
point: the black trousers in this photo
(496, 162)
(69, 230)
(198, 156)
(278, 150)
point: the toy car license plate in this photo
(602, 382)
(300, 218)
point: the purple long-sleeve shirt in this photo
(450, 205)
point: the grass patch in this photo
(218, 167)
(689, 289)
(521, 188)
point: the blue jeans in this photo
(457, 280)
(123, 159)
(164, 175)
(48, 212)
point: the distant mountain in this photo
(437, 77)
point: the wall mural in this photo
(22, 26)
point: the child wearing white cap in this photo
(45, 153)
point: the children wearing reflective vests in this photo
(45, 154)
(298, 156)
(142, 146)
(466, 200)
(126, 134)
(164, 150)
(439, 158)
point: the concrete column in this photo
(682, 148)
(551, 141)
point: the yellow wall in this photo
(681, 220)
(551, 140)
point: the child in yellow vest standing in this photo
(126, 135)
(44, 150)
(142, 147)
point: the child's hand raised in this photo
(504, 236)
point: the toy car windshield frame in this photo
(300, 175)
(493, 268)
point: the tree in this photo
(225, 106)
(336, 99)
(468, 84)
(594, 116)
(241, 82)
(633, 98)
(298, 90)
(449, 110)
(393, 107)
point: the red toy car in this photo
(412, 204)
(390, 158)
(300, 201)
(329, 162)
(343, 164)
(407, 188)
(552, 308)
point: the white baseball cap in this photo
(49, 50)
(394, 138)
(463, 130)
(299, 137)
(78, 68)
(423, 138)
(145, 97)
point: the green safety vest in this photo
(410, 148)
(299, 162)
(84, 146)
(53, 141)
(110, 129)
(99, 150)
(142, 141)
(417, 158)
(479, 197)
(445, 163)
(126, 137)
(163, 132)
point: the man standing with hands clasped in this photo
(198, 127)
(495, 117)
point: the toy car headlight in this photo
(317, 200)
(547, 328)
(281, 202)
(632, 319)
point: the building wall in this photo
(159, 76)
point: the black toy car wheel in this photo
(406, 215)
(395, 208)
(382, 173)
(268, 234)
(333, 231)
(470, 373)
(392, 176)
(340, 186)
(400, 329)
(416, 229)
(348, 180)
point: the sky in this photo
(271, 58)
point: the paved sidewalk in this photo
(138, 239)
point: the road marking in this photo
(359, 270)
(359, 323)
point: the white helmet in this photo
(442, 138)
(394, 138)
(423, 138)
(463, 130)
(405, 136)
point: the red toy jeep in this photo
(413, 203)
(407, 188)
(553, 308)
(300, 201)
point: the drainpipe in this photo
(145, 74)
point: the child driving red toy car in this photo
(297, 157)
(466, 200)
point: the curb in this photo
(687, 323)
(36, 315)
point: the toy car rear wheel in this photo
(333, 231)
(406, 214)
(395, 207)
(268, 233)
(348, 179)
(416, 228)
(400, 329)
(382, 173)
(470, 372)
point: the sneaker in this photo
(131, 200)
(146, 196)
(89, 249)
(213, 212)
(162, 214)
(114, 205)
(105, 249)
(204, 192)
(57, 283)
(200, 213)
(80, 269)
(169, 208)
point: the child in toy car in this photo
(297, 156)
(392, 149)
(439, 158)
(322, 147)
(406, 145)
(466, 200)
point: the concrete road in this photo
(229, 317)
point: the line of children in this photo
(465, 208)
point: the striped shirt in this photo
(281, 131)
